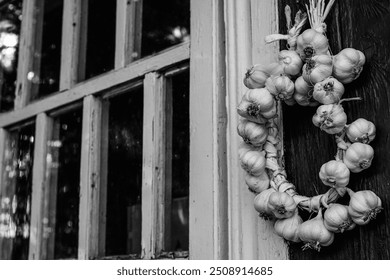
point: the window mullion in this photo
(128, 32)
(40, 187)
(4, 135)
(90, 186)
(154, 166)
(74, 31)
(31, 40)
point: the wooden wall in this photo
(364, 25)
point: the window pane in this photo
(180, 163)
(45, 76)
(164, 24)
(101, 37)
(61, 220)
(123, 232)
(15, 203)
(10, 17)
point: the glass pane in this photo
(15, 203)
(61, 221)
(180, 163)
(101, 37)
(164, 24)
(10, 20)
(123, 232)
(45, 76)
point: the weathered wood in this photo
(364, 25)
(128, 32)
(73, 46)
(208, 234)
(90, 186)
(99, 84)
(40, 186)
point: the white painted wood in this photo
(249, 236)
(73, 47)
(265, 21)
(128, 31)
(208, 193)
(90, 179)
(43, 128)
(99, 84)
(153, 171)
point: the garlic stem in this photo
(275, 37)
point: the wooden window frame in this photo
(226, 36)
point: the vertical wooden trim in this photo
(208, 194)
(103, 176)
(265, 21)
(30, 43)
(128, 32)
(39, 185)
(74, 31)
(90, 179)
(168, 164)
(153, 173)
(247, 22)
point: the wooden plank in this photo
(153, 172)
(208, 178)
(128, 32)
(264, 20)
(43, 130)
(99, 84)
(30, 42)
(73, 46)
(90, 179)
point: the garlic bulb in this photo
(280, 86)
(291, 62)
(348, 64)
(288, 228)
(252, 133)
(257, 105)
(314, 233)
(330, 118)
(328, 91)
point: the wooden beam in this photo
(43, 129)
(90, 186)
(208, 193)
(154, 160)
(73, 47)
(128, 32)
(99, 84)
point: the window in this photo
(94, 94)
(124, 149)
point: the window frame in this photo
(153, 71)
